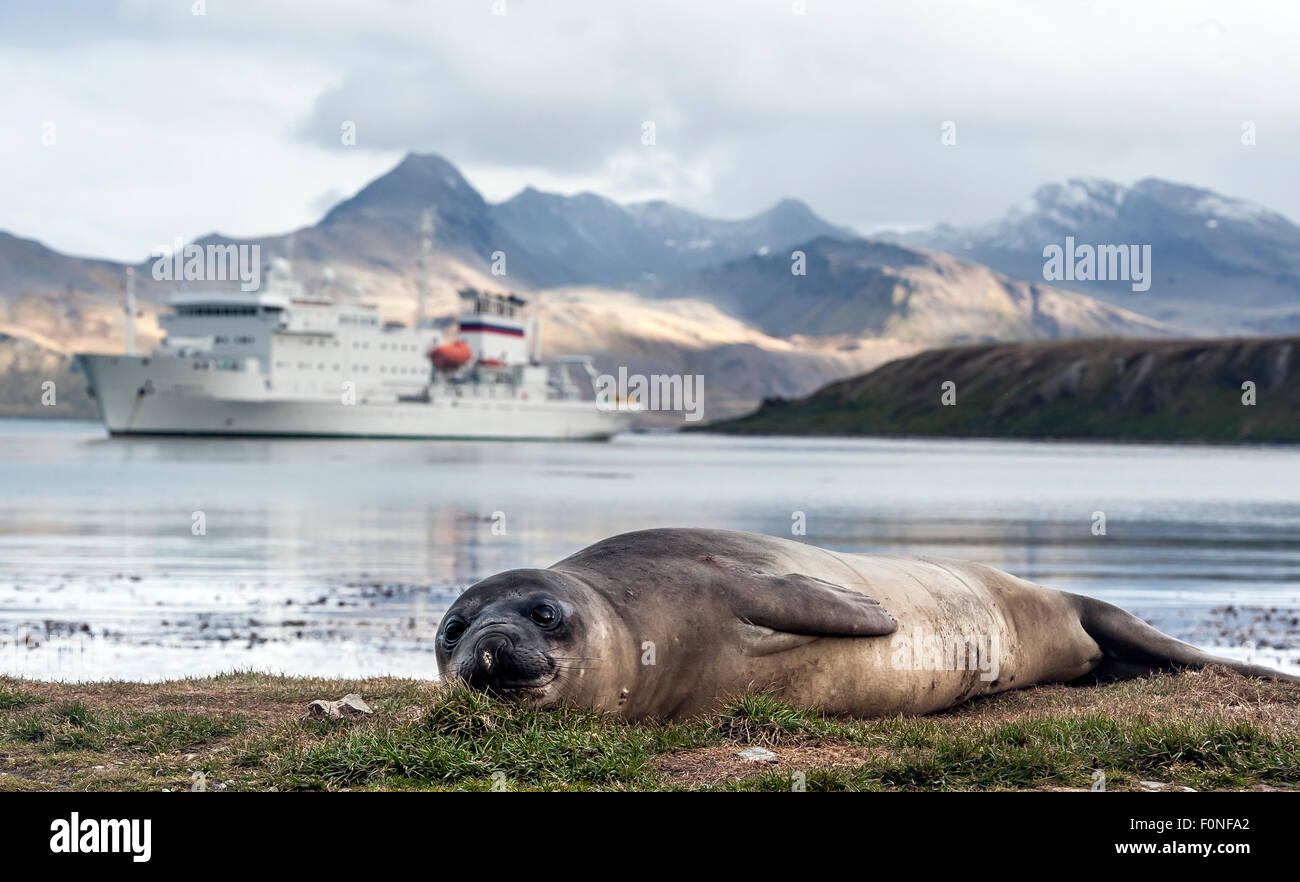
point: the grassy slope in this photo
(1120, 389)
(248, 732)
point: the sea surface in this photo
(153, 558)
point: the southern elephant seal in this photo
(670, 622)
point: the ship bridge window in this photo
(216, 310)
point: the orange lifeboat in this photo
(450, 356)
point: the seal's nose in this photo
(490, 655)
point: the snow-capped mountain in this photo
(1219, 264)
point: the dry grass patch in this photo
(260, 696)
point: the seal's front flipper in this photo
(1132, 648)
(799, 604)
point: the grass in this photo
(12, 698)
(245, 731)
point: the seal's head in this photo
(523, 634)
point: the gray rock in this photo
(350, 705)
(1164, 787)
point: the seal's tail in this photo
(1132, 648)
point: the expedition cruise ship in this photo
(280, 362)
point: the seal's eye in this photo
(544, 614)
(453, 631)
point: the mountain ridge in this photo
(879, 289)
(640, 266)
(381, 226)
(1220, 264)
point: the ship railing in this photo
(572, 378)
(222, 364)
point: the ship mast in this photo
(535, 333)
(422, 265)
(130, 310)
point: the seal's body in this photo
(669, 623)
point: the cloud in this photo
(233, 119)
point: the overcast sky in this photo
(171, 124)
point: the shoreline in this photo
(398, 641)
(716, 430)
(709, 429)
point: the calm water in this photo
(339, 557)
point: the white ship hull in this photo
(143, 396)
